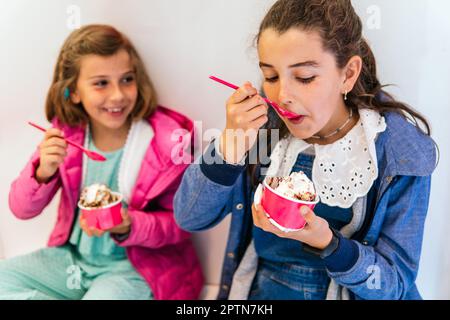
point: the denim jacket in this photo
(388, 246)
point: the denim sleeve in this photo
(205, 195)
(388, 269)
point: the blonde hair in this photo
(100, 40)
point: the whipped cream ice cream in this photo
(297, 186)
(97, 196)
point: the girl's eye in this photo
(306, 80)
(128, 79)
(101, 84)
(271, 80)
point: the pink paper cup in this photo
(284, 211)
(103, 218)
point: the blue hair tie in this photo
(66, 94)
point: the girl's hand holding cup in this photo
(246, 114)
(316, 233)
(53, 150)
(122, 228)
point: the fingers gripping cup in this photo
(282, 198)
(101, 207)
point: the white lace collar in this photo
(342, 171)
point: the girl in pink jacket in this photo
(101, 97)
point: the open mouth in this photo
(114, 111)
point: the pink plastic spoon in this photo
(91, 154)
(281, 111)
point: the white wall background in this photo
(182, 43)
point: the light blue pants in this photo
(61, 273)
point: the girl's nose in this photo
(117, 93)
(285, 94)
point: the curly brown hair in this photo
(100, 40)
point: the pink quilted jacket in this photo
(159, 250)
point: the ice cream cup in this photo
(284, 212)
(103, 218)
